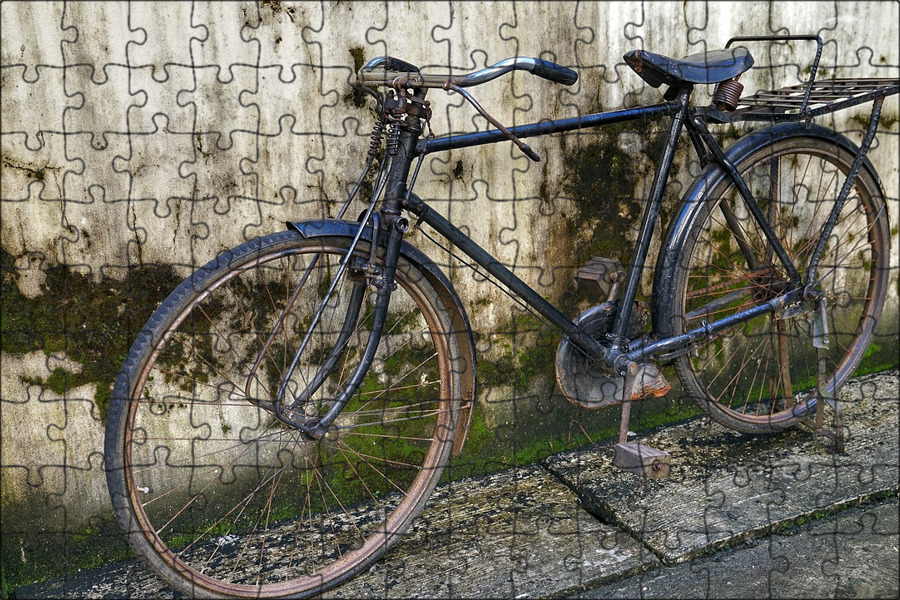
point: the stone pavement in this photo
(775, 516)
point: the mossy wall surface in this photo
(138, 142)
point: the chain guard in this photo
(588, 386)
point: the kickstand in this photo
(637, 458)
(825, 396)
(817, 424)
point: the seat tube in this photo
(651, 214)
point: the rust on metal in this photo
(641, 459)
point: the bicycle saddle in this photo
(704, 67)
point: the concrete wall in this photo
(138, 133)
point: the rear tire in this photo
(223, 500)
(760, 376)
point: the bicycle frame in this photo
(617, 356)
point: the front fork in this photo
(402, 146)
(293, 415)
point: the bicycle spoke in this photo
(237, 496)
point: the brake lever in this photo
(525, 148)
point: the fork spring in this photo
(377, 134)
(393, 143)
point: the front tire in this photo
(223, 500)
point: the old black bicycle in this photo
(287, 411)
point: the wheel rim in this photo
(229, 486)
(762, 373)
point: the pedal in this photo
(649, 383)
(601, 277)
(642, 460)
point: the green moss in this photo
(534, 355)
(488, 450)
(458, 170)
(877, 359)
(800, 521)
(603, 187)
(357, 97)
(359, 57)
(885, 121)
(29, 557)
(92, 323)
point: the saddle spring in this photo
(728, 94)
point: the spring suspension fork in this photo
(316, 429)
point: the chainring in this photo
(586, 385)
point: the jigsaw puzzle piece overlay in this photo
(40, 36)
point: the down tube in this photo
(508, 278)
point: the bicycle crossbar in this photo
(453, 142)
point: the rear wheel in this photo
(219, 496)
(760, 375)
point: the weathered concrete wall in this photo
(140, 133)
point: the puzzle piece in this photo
(46, 97)
(38, 42)
(94, 47)
(140, 140)
(165, 32)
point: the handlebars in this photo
(387, 70)
(393, 72)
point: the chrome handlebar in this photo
(389, 71)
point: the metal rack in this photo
(804, 101)
(807, 100)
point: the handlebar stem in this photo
(416, 110)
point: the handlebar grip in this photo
(554, 72)
(395, 64)
(526, 149)
(389, 63)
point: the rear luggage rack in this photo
(791, 103)
(803, 101)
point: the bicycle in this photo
(287, 411)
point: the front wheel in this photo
(220, 497)
(760, 376)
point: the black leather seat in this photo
(704, 67)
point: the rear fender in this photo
(461, 328)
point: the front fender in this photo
(712, 176)
(461, 327)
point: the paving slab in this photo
(725, 487)
(851, 554)
(525, 532)
(514, 534)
